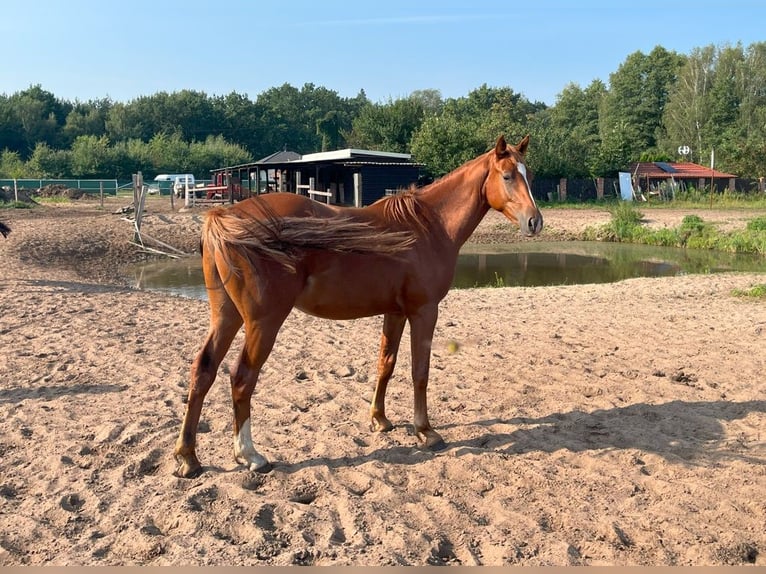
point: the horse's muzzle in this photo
(532, 225)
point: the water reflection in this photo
(520, 264)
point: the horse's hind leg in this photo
(393, 326)
(225, 321)
(260, 335)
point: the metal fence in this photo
(110, 186)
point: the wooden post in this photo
(357, 189)
(101, 192)
(139, 202)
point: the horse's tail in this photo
(4, 229)
(284, 239)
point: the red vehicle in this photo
(222, 184)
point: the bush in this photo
(626, 221)
(664, 238)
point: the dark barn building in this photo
(344, 177)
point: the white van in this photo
(181, 181)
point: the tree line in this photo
(711, 98)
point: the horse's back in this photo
(284, 204)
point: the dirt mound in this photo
(59, 190)
(7, 195)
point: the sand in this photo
(618, 424)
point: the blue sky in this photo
(90, 49)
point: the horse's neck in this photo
(458, 200)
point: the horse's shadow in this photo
(679, 431)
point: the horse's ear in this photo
(522, 147)
(501, 147)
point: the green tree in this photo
(41, 116)
(632, 110)
(566, 137)
(387, 127)
(11, 130)
(443, 143)
(91, 157)
(688, 111)
(300, 120)
(215, 152)
(46, 162)
(86, 119)
(240, 121)
(11, 165)
(169, 153)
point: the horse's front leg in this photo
(393, 326)
(422, 327)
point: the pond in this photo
(526, 264)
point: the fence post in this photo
(357, 189)
(563, 189)
(600, 188)
(101, 192)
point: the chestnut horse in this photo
(269, 254)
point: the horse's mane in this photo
(407, 208)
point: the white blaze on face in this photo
(523, 171)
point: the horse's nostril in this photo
(535, 224)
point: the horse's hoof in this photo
(263, 469)
(186, 471)
(436, 445)
(381, 425)
(432, 440)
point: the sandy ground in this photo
(620, 424)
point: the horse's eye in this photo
(507, 176)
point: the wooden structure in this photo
(652, 177)
(351, 177)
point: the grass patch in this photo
(757, 224)
(693, 233)
(56, 199)
(16, 205)
(756, 291)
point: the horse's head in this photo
(507, 186)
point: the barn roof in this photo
(280, 157)
(682, 170)
(350, 156)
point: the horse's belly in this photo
(348, 297)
